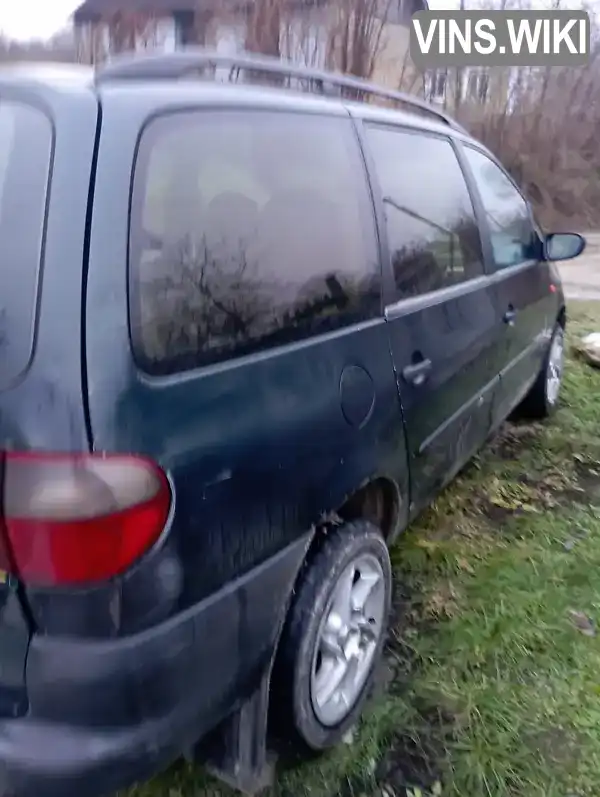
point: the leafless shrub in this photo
(542, 125)
(356, 37)
(544, 131)
(61, 48)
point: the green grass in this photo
(492, 680)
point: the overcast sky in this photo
(25, 19)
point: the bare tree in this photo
(305, 34)
(130, 30)
(356, 37)
(60, 48)
(263, 30)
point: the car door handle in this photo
(417, 373)
(509, 316)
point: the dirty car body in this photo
(175, 438)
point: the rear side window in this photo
(432, 234)
(249, 230)
(25, 156)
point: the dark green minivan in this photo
(247, 333)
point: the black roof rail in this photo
(184, 62)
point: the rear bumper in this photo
(105, 714)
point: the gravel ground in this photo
(581, 277)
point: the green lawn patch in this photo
(491, 683)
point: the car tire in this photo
(338, 619)
(542, 399)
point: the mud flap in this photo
(237, 752)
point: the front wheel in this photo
(542, 399)
(334, 635)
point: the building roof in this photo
(95, 10)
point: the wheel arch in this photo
(378, 500)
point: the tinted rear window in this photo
(25, 155)
(249, 230)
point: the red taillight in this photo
(76, 519)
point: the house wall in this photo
(93, 40)
(310, 37)
(89, 43)
(500, 82)
(393, 67)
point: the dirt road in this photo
(581, 277)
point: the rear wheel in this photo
(542, 399)
(334, 636)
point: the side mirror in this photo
(564, 245)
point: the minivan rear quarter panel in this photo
(256, 448)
